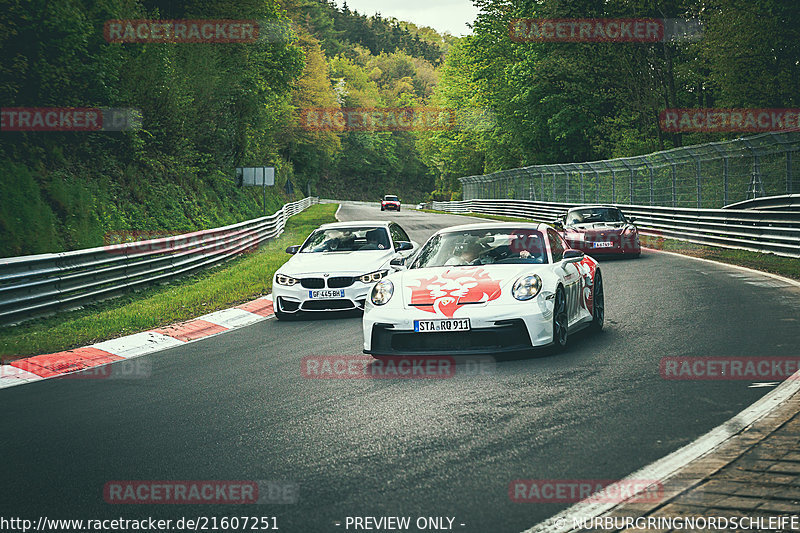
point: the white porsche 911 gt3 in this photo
(485, 288)
(337, 265)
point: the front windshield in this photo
(391, 199)
(347, 240)
(483, 247)
(595, 214)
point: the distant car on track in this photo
(485, 288)
(390, 202)
(600, 231)
(337, 265)
(421, 205)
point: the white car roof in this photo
(593, 207)
(356, 224)
(495, 225)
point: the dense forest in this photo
(208, 108)
(559, 102)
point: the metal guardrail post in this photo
(699, 186)
(542, 177)
(613, 186)
(788, 172)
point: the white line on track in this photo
(663, 469)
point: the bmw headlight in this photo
(382, 292)
(526, 287)
(280, 279)
(373, 277)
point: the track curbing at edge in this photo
(45, 366)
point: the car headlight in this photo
(280, 279)
(373, 277)
(526, 287)
(382, 292)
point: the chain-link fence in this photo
(708, 175)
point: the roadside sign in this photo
(255, 176)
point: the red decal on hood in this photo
(447, 292)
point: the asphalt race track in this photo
(235, 407)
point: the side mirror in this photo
(573, 256)
(293, 249)
(403, 246)
(399, 262)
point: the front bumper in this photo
(619, 246)
(296, 298)
(494, 329)
(395, 207)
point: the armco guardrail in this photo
(785, 202)
(765, 231)
(34, 285)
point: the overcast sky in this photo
(442, 15)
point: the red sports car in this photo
(600, 231)
(390, 202)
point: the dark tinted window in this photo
(556, 245)
(398, 234)
(594, 214)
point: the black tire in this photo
(560, 320)
(381, 208)
(598, 297)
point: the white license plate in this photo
(436, 326)
(604, 244)
(326, 294)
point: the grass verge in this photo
(228, 285)
(774, 264)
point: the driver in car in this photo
(464, 254)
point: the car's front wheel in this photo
(598, 303)
(560, 320)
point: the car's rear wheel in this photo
(598, 303)
(560, 320)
